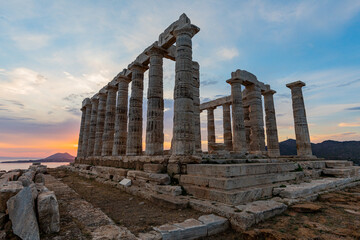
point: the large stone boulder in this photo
(22, 215)
(7, 190)
(48, 212)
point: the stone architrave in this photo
(227, 127)
(134, 140)
(196, 98)
(239, 137)
(211, 128)
(120, 138)
(303, 144)
(183, 130)
(271, 128)
(155, 103)
(100, 121)
(87, 104)
(81, 134)
(109, 126)
(257, 134)
(93, 120)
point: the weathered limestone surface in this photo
(48, 212)
(134, 140)
(81, 133)
(211, 128)
(227, 127)
(120, 137)
(8, 190)
(247, 124)
(271, 127)
(87, 105)
(109, 126)
(93, 120)
(100, 122)
(196, 98)
(214, 224)
(303, 144)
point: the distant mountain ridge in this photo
(57, 157)
(329, 149)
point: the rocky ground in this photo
(334, 216)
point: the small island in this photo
(57, 157)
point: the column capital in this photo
(86, 102)
(296, 84)
(234, 80)
(95, 98)
(210, 108)
(111, 86)
(154, 49)
(137, 66)
(121, 78)
(189, 29)
(270, 91)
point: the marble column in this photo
(196, 100)
(81, 133)
(303, 144)
(155, 103)
(183, 130)
(271, 128)
(246, 118)
(100, 122)
(211, 128)
(120, 138)
(87, 105)
(257, 134)
(134, 140)
(239, 137)
(227, 127)
(93, 120)
(109, 126)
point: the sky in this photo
(53, 54)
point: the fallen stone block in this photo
(8, 190)
(22, 215)
(152, 235)
(48, 212)
(10, 176)
(214, 224)
(169, 232)
(26, 181)
(192, 229)
(153, 168)
(240, 221)
(39, 178)
(125, 182)
(306, 207)
(30, 174)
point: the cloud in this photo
(30, 42)
(354, 124)
(348, 83)
(227, 53)
(208, 83)
(353, 108)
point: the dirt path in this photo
(134, 213)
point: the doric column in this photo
(246, 118)
(100, 122)
(81, 133)
(109, 126)
(227, 127)
(155, 103)
(257, 135)
(93, 120)
(239, 138)
(271, 128)
(183, 130)
(196, 100)
(134, 140)
(87, 105)
(211, 128)
(120, 138)
(303, 144)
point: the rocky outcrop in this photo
(8, 190)
(48, 212)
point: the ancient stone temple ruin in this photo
(233, 177)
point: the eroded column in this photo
(155, 104)
(196, 99)
(246, 118)
(120, 138)
(109, 126)
(87, 105)
(134, 140)
(271, 128)
(227, 127)
(211, 128)
(239, 138)
(93, 120)
(81, 133)
(303, 144)
(100, 121)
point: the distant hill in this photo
(329, 149)
(57, 157)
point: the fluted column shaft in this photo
(239, 138)
(109, 126)
(92, 132)
(271, 128)
(120, 138)
(196, 100)
(134, 140)
(257, 135)
(155, 104)
(246, 118)
(303, 143)
(210, 128)
(100, 122)
(86, 128)
(81, 133)
(227, 127)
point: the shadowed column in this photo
(134, 140)
(100, 121)
(109, 126)
(246, 118)
(120, 138)
(87, 105)
(271, 128)
(227, 127)
(93, 120)
(196, 100)
(81, 133)
(211, 128)
(303, 144)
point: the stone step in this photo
(235, 170)
(233, 197)
(338, 163)
(239, 182)
(342, 172)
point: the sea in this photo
(11, 166)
